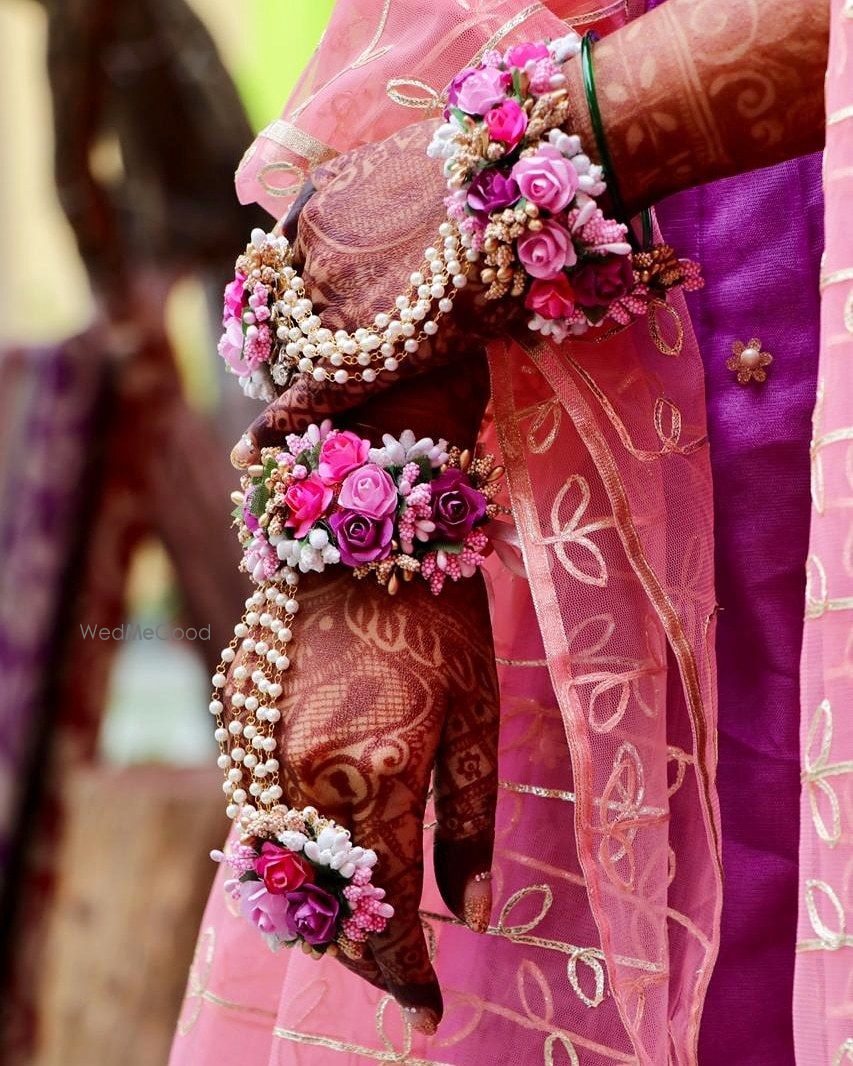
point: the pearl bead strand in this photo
(245, 731)
(306, 347)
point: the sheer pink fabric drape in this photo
(823, 989)
(607, 461)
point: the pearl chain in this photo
(250, 744)
(307, 347)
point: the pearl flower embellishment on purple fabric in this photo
(748, 361)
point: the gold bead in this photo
(534, 225)
(531, 210)
(487, 276)
(237, 497)
(255, 470)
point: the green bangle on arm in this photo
(603, 149)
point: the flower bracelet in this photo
(523, 220)
(412, 509)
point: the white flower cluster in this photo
(563, 48)
(258, 385)
(590, 175)
(333, 848)
(407, 449)
(315, 553)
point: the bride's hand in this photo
(384, 690)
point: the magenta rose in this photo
(340, 453)
(521, 54)
(362, 539)
(476, 91)
(553, 298)
(307, 501)
(282, 870)
(544, 253)
(233, 301)
(598, 282)
(370, 491)
(507, 123)
(269, 912)
(491, 191)
(547, 179)
(312, 913)
(456, 505)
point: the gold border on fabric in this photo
(295, 139)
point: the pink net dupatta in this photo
(380, 66)
(607, 460)
(823, 988)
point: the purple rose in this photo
(544, 252)
(598, 282)
(491, 190)
(456, 505)
(312, 913)
(362, 539)
(268, 912)
(477, 90)
(547, 179)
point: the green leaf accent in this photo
(516, 83)
(444, 546)
(237, 513)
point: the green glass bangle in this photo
(603, 149)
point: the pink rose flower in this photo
(543, 253)
(547, 179)
(521, 54)
(370, 491)
(270, 913)
(307, 501)
(554, 298)
(339, 454)
(507, 122)
(233, 303)
(282, 870)
(476, 91)
(230, 346)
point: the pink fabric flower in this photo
(553, 298)
(543, 253)
(547, 179)
(476, 90)
(282, 870)
(230, 346)
(233, 300)
(507, 123)
(521, 54)
(263, 909)
(361, 539)
(261, 559)
(307, 501)
(340, 453)
(370, 491)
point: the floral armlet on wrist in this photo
(523, 220)
(410, 510)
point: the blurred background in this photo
(122, 123)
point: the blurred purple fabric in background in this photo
(759, 239)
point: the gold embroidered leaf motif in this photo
(532, 985)
(560, 1051)
(591, 958)
(545, 426)
(579, 555)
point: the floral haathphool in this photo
(523, 192)
(410, 507)
(299, 879)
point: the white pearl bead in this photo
(258, 598)
(235, 729)
(460, 281)
(472, 256)
(436, 291)
(249, 732)
(387, 349)
(252, 618)
(265, 796)
(228, 655)
(424, 291)
(257, 744)
(411, 345)
(273, 714)
(227, 787)
(381, 320)
(262, 647)
(445, 229)
(223, 762)
(282, 662)
(257, 676)
(319, 374)
(219, 680)
(341, 377)
(437, 266)
(416, 278)
(250, 760)
(445, 305)
(272, 765)
(336, 359)
(220, 735)
(235, 775)
(248, 644)
(291, 606)
(750, 356)
(369, 375)
(402, 302)
(276, 690)
(215, 706)
(272, 655)
(391, 365)
(305, 366)
(239, 795)
(255, 789)
(430, 253)
(269, 745)
(408, 329)
(454, 266)
(285, 635)
(430, 327)
(238, 753)
(252, 704)
(241, 673)
(238, 699)
(232, 810)
(275, 792)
